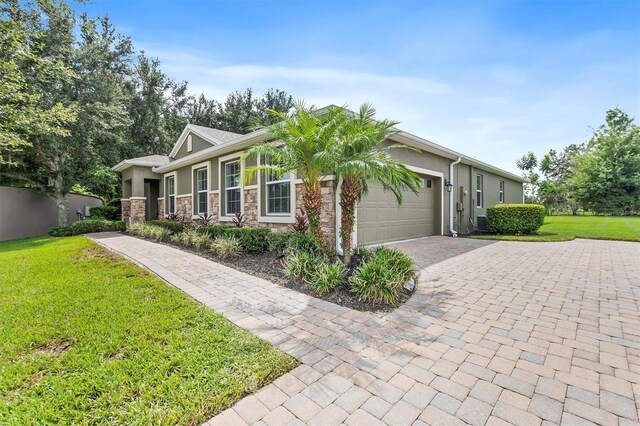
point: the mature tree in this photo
(528, 164)
(22, 115)
(205, 112)
(607, 174)
(272, 100)
(557, 191)
(360, 159)
(100, 61)
(242, 111)
(305, 135)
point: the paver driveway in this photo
(499, 332)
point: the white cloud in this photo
(494, 113)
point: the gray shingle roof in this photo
(221, 135)
(151, 159)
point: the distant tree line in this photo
(601, 175)
(76, 98)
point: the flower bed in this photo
(373, 281)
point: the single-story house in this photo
(203, 175)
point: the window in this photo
(502, 191)
(189, 143)
(479, 191)
(202, 191)
(232, 187)
(278, 194)
(171, 194)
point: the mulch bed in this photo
(270, 267)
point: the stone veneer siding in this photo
(214, 201)
(183, 207)
(327, 217)
(133, 210)
(161, 213)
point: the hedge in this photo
(252, 240)
(87, 226)
(278, 241)
(104, 212)
(515, 218)
(172, 225)
(215, 231)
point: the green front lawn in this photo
(564, 228)
(87, 337)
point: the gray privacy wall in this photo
(26, 212)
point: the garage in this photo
(381, 219)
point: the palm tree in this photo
(305, 134)
(359, 158)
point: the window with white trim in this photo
(232, 190)
(278, 193)
(202, 191)
(479, 201)
(189, 143)
(171, 194)
(502, 191)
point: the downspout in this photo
(454, 233)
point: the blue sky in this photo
(491, 79)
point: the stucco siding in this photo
(198, 145)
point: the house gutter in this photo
(453, 232)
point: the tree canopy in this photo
(601, 175)
(76, 98)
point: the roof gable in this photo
(209, 135)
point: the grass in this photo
(88, 337)
(565, 228)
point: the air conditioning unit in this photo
(481, 224)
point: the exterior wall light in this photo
(448, 185)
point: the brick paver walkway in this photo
(497, 333)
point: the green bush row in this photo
(515, 218)
(88, 226)
(104, 212)
(252, 240)
(172, 225)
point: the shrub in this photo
(152, 232)
(301, 224)
(136, 228)
(252, 240)
(226, 247)
(303, 242)
(189, 237)
(173, 226)
(156, 233)
(119, 225)
(201, 241)
(62, 231)
(104, 212)
(300, 265)
(238, 220)
(381, 277)
(214, 231)
(363, 253)
(326, 277)
(92, 225)
(515, 218)
(175, 239)
(277, 241)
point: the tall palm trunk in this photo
(312, 200)
(349, 191)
